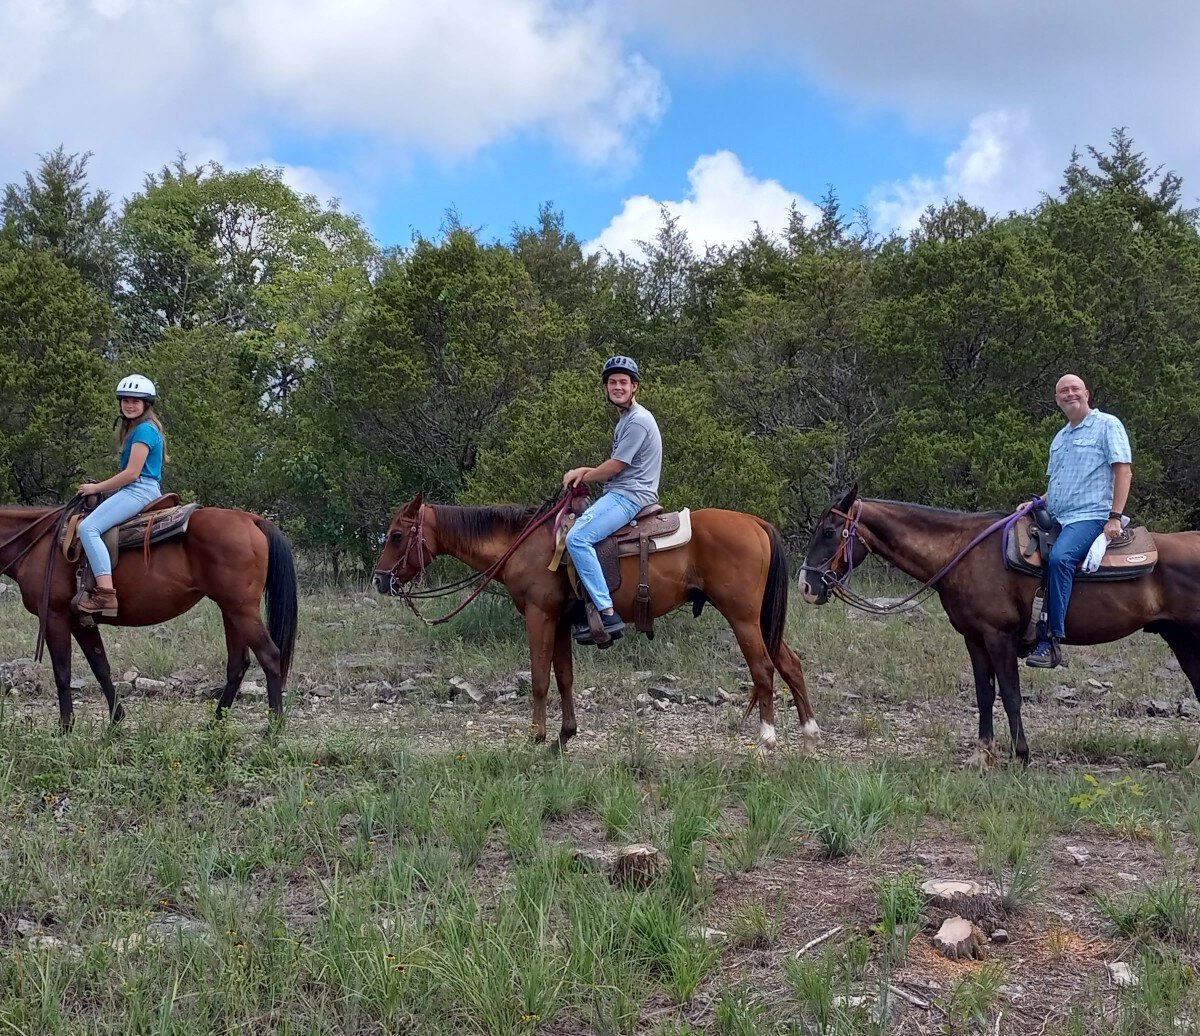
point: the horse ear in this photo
(413, 506)
(848, 498)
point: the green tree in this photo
(58, 411)
(54, 209)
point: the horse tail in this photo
(775, 595)
(281, 594)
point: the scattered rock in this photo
(1159, 708)
(601, 860)
(637, 865)
(660, 704)
(460, 686)
(1157, 766)
(713, 935)
(27, 927)
(48, 942)
(369, 602)
(642, 702)
(322, 690)
(671, 694)
(1126, 876)
(642, 675)
(251, 692)
(524, 679)
(959, 939)
(1122, 974)
(1066, 697)
(162, 633)
(1189, 708)
(1000, 936)
(145, 685)
(1079, 854)
(1097, 684)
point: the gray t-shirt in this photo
(636, 442)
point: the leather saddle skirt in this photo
(661, 529)
(161, 519)
(1130, 555)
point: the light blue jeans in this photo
(602, 519)
(121, 506)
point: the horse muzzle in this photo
(819, 595)
(386, 584)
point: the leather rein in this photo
(839, 586)
(60, 514)
(553, 509)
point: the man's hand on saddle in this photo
(574, 477)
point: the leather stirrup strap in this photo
(641, 602)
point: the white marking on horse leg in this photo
(766, 734)
(811, 734)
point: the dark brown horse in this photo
(734, 560)
(989, 604)
(231, 557)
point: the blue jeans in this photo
(1068, 551)
(120, 507)
(602, 519)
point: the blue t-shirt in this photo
(146, 433)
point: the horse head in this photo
(406, 550)
(835, 549)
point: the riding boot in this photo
(98, 601)
(1047, 655)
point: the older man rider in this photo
(1090, 472)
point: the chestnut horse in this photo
(989, 604)
(231, 557)
(734, 560)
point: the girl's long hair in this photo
(125, 426)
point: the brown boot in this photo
(98, 601)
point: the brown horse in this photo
(990, 604)
(734, 560)
(231, 557)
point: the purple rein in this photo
(850, 534)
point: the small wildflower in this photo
(391, 956)
(231, 931)
(308, 802)
(370, 841)
(175, 764)
(531, 1017)
(316, 762)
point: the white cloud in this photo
(722, 205)
(997, 167)
(137, 80)
(1074, 70)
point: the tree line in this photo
(309, 373)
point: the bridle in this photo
(839, 586)
(60, 514)
(552, 509)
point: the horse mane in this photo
(944, 512)
(474, 523)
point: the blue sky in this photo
(725, 114)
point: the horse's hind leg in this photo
(1185, 644)
(90, 643)
(762, 672)
(792, 670)
(236, 665)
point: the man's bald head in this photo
(1073, 398)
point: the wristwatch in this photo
(1115, 514)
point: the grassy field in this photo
(401, 859)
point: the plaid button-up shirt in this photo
(1080, 468)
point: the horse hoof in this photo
(767, 737)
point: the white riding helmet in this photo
(136, 386)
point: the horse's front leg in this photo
(1002, 649)
(985, 701)
(564, 676)
(58, 643)
(539, 628)
(90, 643)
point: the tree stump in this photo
(959, 939)
(637, 865)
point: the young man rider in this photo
(630, 478)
